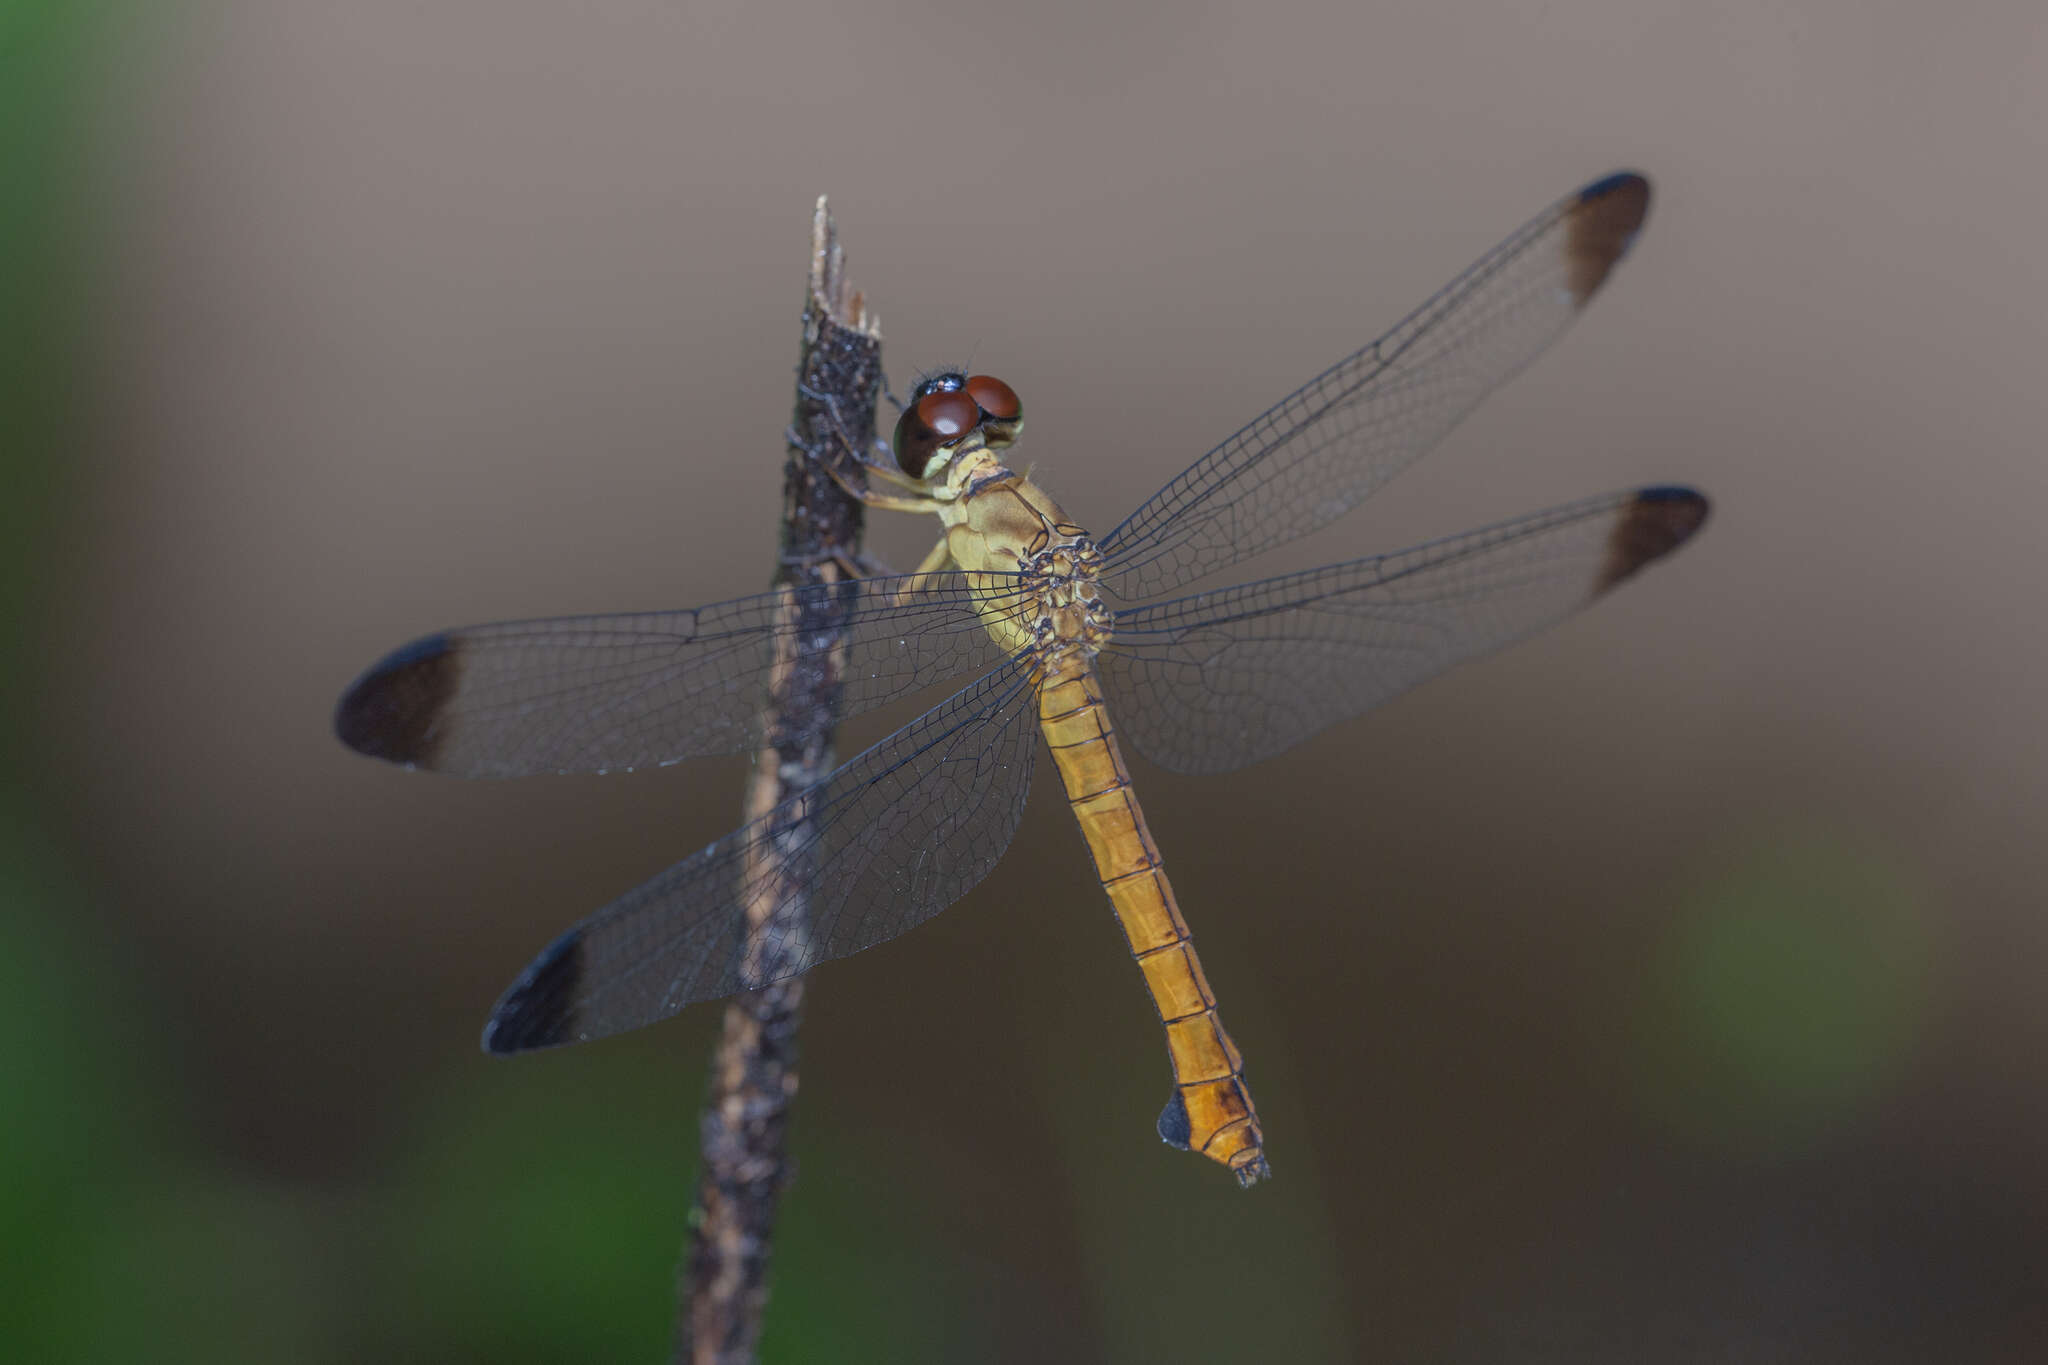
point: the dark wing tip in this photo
(1604, 223)
(393, 711)
(539, 1008)
(1621, 182)
(1649, 526)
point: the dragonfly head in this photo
(953, 414)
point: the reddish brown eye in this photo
(935, 420)
(996, 398)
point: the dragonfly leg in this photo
(919, 502)
(941, 557)
(889, 392)
(890, 474)
(865, 565)
(881, 468)
(887, 502)
(853, 565)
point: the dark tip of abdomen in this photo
(539, 1008)
(1604, 224)
(1649, 526)
(1175, 1128)
(393, 712)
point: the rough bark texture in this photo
(754, 1070)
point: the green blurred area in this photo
(45, 96)
(1789, 993)
(503, 1230)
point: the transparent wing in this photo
(592, 693)
(884, 843)
(1212, 682)
(1324, 448)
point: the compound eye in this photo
(996, 398)
(936, 420)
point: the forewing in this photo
(884, 843)
(594, 693)
(1212, 682)
(1324, 448)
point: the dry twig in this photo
(754, 1070)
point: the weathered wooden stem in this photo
(753, 1081)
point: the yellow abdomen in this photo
(1211, 1109)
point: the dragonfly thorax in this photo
(1062, 578)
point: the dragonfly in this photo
(1094, 643)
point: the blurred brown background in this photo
(1664, 989)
